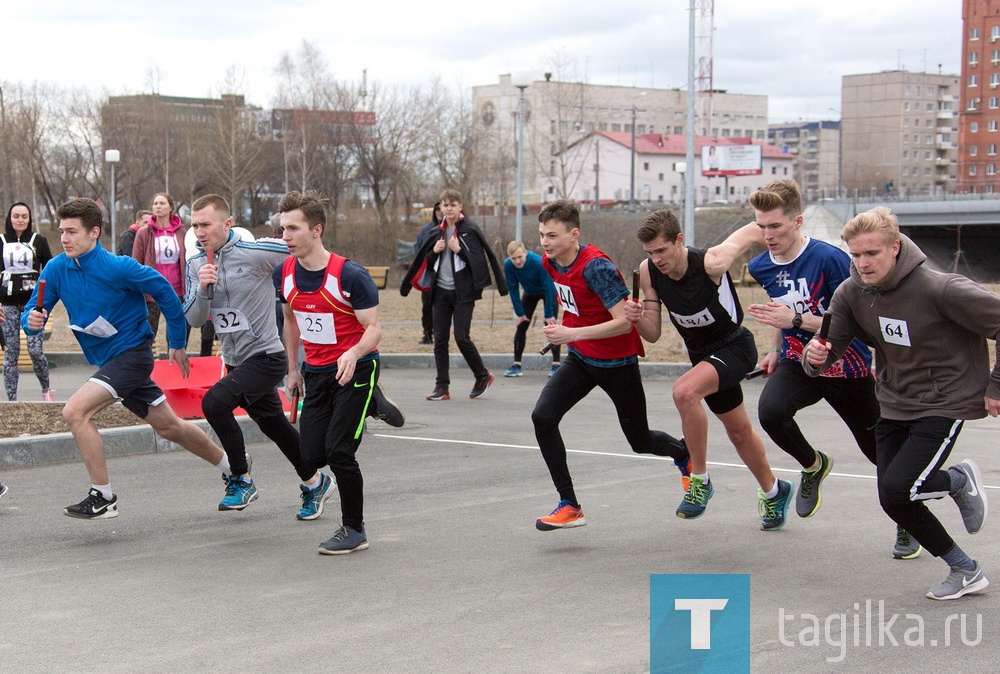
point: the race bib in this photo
(227, 319)
(166, 249)
(99, 328)
(566, 299)
(699, 320)
(894, 331)
(18, 258)
(795, 301)
(316, 328)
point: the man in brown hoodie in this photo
(929, 331)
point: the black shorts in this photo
(732, 362)
(127, 378)
(254, 382)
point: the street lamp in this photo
(113, 157)
(681, 167)
(522, 80)
(631, 190)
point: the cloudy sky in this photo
(794, 51)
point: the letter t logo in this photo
(701, 619)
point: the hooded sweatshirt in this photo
(163, 249)
(23, 258)
(929, 331)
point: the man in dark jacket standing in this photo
(457, 268)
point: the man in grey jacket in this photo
(929, 332)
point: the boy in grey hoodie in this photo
(929, 332)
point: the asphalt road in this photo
(457, 578)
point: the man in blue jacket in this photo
(104, 298)
(523, 268)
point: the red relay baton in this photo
(40, 300)
(293, 417)
(210, 290)
(824, 328)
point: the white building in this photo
(602, 160)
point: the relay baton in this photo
(40, 300)
(759, 372)
(210, 290)
(293, 417)
(635, 285)
(824, 328)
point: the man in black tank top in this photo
(695, 287)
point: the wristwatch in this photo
(797, 321)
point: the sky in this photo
(794, 51)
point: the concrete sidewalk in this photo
(457, 578)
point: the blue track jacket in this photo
(99, 285)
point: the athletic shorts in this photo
(127, 378)
(732, 362)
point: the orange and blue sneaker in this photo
(684, 465)
(565, 516)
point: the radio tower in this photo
(705, 27)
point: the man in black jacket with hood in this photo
(455, 266)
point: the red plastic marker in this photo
(293, 417)
(40, 301)
(210, 290)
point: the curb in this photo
(43, 450)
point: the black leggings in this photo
(790, 389)
(911, 455)
(529, 302)
(569, 385)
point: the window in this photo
(748, 133)
(678, 129)
(552, 167)
(645, 166)
(906, 154)
(774, 170)
(906, 121)
(973, 150)
(991, 169)
(615, 126)
(907, 91)
(973, 80)
(715, 131)
(906, 139)
(971, 105)
(973, 58)
(906, 170)
(929, 123)
(927, 171)
(917, 92)
(725, 133)
(974, 34)
(641, 129)
(973, 127)
(993, 125)
(929, 140)
(995, 33)
(994, 102)
(927, 154)
(602, 126)
(661, 177)
(785, 170)
(628, 128)
(906, 106)
(972, 170)
(991, 149)
(760, 135)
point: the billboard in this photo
(730, 160)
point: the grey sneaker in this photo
(385, 409)
(809, 498)
(906, 545)
(971, 499)
(3, 489)
(959, 582)
(347, 539)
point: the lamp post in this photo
(631, 188)
(681, 167)
(113, 157)
(522, 80)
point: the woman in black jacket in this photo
(25, 252)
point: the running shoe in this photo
(313, 499)
(552, 370)
(239, 493)
(94, 507)
(48, 396)
(385, 408)
(809, 498)
(482, 383)
(906, 546)
(439, 393)
(3, 489)
(959, 582)
(773, 510)
(565, 516)
(347, 539)
(695, 499)
(684, 466)
(971, 499)
(513, 371)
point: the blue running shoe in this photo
(695, 499)
(513, 371)
(239, 493)
(313, 499)
(773, 510)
